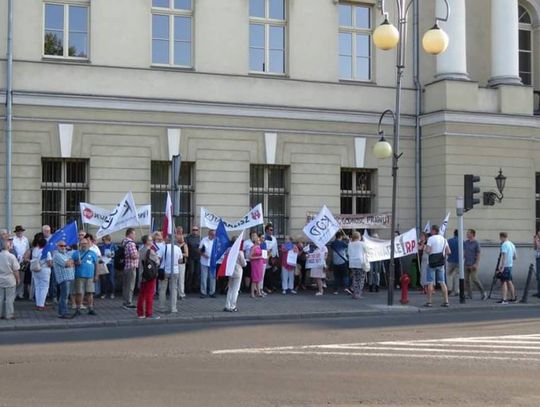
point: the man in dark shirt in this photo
(340, 265)
(193, 272)
(471, 254)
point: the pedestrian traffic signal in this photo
(470, 190)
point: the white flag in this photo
(123, 216)
(233, 255)
(95, 215)
(427, 228)
(444, 225)
(379, 249)
(168, 223)
(322, 228)
(253, 218)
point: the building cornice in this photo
(480, 118)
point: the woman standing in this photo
(358, 264)
(317, 257)
(148, 260)
(258, 264)
(9, 278)
(41, 271)
(107, 281)
(234, 282)
(287, 269)
(182, 267)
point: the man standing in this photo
(471, 254)
(271, 276)
(85, 276)
(437, 249)
(131, 261)
(508, 255)
(193, 273)
(9, 277)
(171, 278)
(64, 275)
(208, 283)
(340, 262)
(21, 245)
(452, 265)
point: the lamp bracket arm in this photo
(437, 18)
(387, 111)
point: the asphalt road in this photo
(468, 358)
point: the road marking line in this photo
(462, 345)
(436, 350)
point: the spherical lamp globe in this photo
(382, 149)
(435, 41)
(386, 36)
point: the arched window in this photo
(525, 46)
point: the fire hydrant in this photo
(405, 280)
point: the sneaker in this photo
(484, 296)
(154, 317)
(293, 292)
(319, 293)
(91, 311)
(141, 317)
(102, 297)
(202, 296)
(76, 313)
(336, 293)
(83, 306)
(65, 316)
(73, 306)
(513, 300)
(212, 295)
(348, 291)
(502, 302)
(112, 297)
(284, 292)
(445, 305)
(174, 311)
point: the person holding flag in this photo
(208, 284)
(219, 247)
(235, 262)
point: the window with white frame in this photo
(64, 185)
(525, 46)
(267, 22)
(357, 191)
(268, 186)
(355, 29)
(65, 31)
(160, 176)
(172, 32)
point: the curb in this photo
(375, 310)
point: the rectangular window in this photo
(64, 184)
(160, 184)
(355, 42)
(525, 56)
(65, 24)
(267, 22)
(356, 191)
(268, 185)
(172, 32)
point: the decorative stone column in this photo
(504, 43)
(452, 64)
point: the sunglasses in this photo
(61, 245)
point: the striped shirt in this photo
(61, 272)
(131, 254)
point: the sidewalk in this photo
(274, 306)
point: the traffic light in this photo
(470, 190)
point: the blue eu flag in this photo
(221, 244)
(68, 234)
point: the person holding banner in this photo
(235, 279)
(316, 263)
(358, 263)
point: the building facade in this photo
(272, 101)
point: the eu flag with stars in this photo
(221, 244)
(68, 234)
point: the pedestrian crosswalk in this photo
(508, 347)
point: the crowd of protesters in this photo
(72, 277)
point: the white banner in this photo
(233, 255)
(315, 259)
(121, 217)
(377, 249)
(322, 228)
(95, 215)
(253, 218)
(365, 221)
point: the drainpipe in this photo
(417, 112)
(9, 115)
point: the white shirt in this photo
(21, 246)
(207, 244)
(161, 253)
(357, 255)
(167, 258)
(437, 243)
(248, 244)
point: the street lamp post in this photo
(387, 37)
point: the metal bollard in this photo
(405, 280)
(527, 284)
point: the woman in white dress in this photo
(41, 271)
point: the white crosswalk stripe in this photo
(507, 347)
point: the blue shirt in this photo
(453, 243)
(88, 261)
(509, 251)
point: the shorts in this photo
(506, 274)
(431, 272)
(84, 285)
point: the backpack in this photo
(119, 257)
(150, 268)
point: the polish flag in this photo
(167, 220)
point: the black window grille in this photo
(268, 186)
(160, 185)
(356, 191)
(64, 185)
